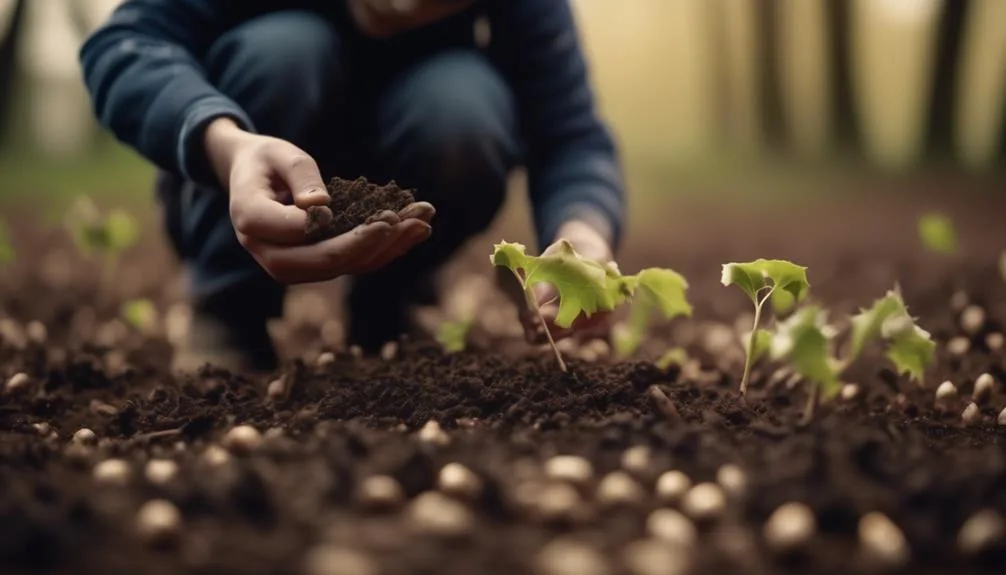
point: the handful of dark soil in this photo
(353, 203)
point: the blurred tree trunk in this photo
(9, 41)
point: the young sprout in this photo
(674, 356)
(141, 314)
(779, 281)
(107, 235)
(587, 287)
(936, 231)
(6, 246)
(453, 335)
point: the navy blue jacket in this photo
(142, 69)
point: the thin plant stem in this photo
(532, 302)
(813, 398)
(749, 356)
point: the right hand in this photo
(263, 174)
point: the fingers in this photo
(423, 211)
(410, 233)
(260, 217)
(302, 176)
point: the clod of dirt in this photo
(160, 471)
(17, 383)
(881, 542)
(649, 557)
(458, 481)
(242, 439)
(112, 472)
(158, 521)
(984, 386)
(732, 479)
(433, 513)
(672, 526)
(85, 436)
(672, 486)
(789, 528)
(571, 468)
(971, 415)
(704, 502)
(353, 203)
(380, 493)
(981, 532)
(618, 488)
(569, 557)
(338, 560)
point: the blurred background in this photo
(749, 98)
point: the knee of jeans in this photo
(281, 68)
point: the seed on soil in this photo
(946, 391)
(958, 345)
(850, 391)
(216, 456)
(881, 541)
(389, 350)
(984, 386)
(355, 351)
(555, 502)
(564, 556)
(672, 486)
(17, 383)
(982, 531)
(459, 481)
(85, 436)
(598, 347)
(380, 492)
(12, 334)
(36, 332)
(704, 502)
(671, 526)
(242, 439)
(434, 513)
(325, 359)
(971, 415)
(790, 527)
(571, 468)
(650, 557)
(158, 521)
(433, 434)
(43, 428)
(112, 472)
(618, 488)
(276, 389)
(732, 479)
(329, 559)
(994, 341)
(972, 319)
(636, 460)
(160, 471)
(1001, 419)
(959, 300)
(101, 408)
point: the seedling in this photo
(937, 233)
(140, 313)
(453, 335)
(587, 287)
(6, 246)
(107, 235)
(673, 356)
(804, 340)
(779, 281)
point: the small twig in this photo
(663, 404)
(158, 434)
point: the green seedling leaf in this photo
(6, 247)
(909, 347)
(937, 233)
(867, 324)
(803, 342)
(121, 230)
(140, 313)
(656, 290)
(673, 356)
(757, 276)
(762, 342)
(453, 335)
(912, 352)
(782, 301)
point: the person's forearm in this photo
(219, 142)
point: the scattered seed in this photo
(325, 359)
(571, 468)
(672, 486)
(1001, 420)
(946, 391)
(790, 527)
(436, 514)
(651, 557)
(599, 347)
(85, 436)
(619, 488)
(112, 472)
(273, 433)
(984, 386)
(101, 408)
(959, 300)
(565, 556)
(160, 471)
(327, 559)
(994, 341)
(356, 351)
(276, 389)
(380, 492)
(158, 521)
(958, 345)
(972, 319)
(433, 434)
(36, 332)
(663, 404)
(971, 415)
(17, 383)
(242, 439)
(982, 531)
(43, 428)
(389, 350)
(732, 479)
(881, 541)
(554, 502)
(636, 459)
(459, 481)
(216, 455)
(671, 526)
(850, 391)
(703, 502)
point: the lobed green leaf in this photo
(803, 342)
(937, 233)
(912, 352)
(755, 276)
(673, 356)
(140, 313)
(453, 335)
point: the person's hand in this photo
(590, 244)
(263, 175)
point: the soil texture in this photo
(354, 203)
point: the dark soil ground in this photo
(272, 510)
(352, 203)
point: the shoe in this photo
(239, 346)
(380, 312)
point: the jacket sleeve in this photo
(572, 160)
(142, 70)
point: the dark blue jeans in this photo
(445, 125)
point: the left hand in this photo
(590, 244)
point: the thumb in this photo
(303, 178)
